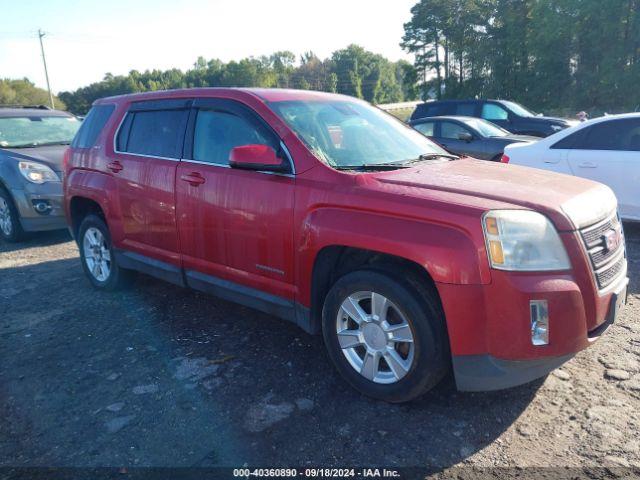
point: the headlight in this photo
(523, 240)
(557, 128)
(37, 172)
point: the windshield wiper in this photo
(436, 156)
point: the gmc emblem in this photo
(613, 239)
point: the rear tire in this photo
(98, 257)
(391, 312)
(10, 227)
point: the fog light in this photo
(539, 322)
(43, 207)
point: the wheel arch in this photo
(79, 208)
(334, 261)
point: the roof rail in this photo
(38, 107)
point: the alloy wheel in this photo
(96, 254)
(375, 337)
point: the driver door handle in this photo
(587, 165)
(194, 179)
(115, 166)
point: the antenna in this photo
(44, 61)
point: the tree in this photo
(24, 92)
(353, 70)
(581, 54)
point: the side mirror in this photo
(256, 157)
(465, 136)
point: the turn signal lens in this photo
(492, 225)
(504, 159)
(495, 250)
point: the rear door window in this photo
(155, 133)
(433, 109)
(452, 130)
(426, 128)
(621, 134)
(466, 109)
(92, 125)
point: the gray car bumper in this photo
(477, 373)
(32, 221)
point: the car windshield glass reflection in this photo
(485, 128)
(349, 133)
(35, 131)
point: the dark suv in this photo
(509, 115)
(32, 144)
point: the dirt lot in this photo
(160, 376)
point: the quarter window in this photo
(217, 132)
(570, 141)
(156, 133)
(92, 125)
(491, 111)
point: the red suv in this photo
(330, 213)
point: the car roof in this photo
(605, 118)
(16, 111)
(264, 94)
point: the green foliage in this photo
(352, 71)
(547, 54)
(23, 92)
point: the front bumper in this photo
(31, 220)
(492, 347)
(479, 373)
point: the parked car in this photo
(606, 149)
(325, 211)
(509, 115)
(32, 144)
(469, 136)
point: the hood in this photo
(50, 155)
(561, 197)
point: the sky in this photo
(86, 39)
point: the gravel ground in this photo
(162, 376)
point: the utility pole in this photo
(46, 73)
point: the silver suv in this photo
(32, 145)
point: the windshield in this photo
(518, 109)
(345, 133)
(32, 131)
(486, 129)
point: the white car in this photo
(606, 149)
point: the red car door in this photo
(235, 226)
(148, 147)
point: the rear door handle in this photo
(115, 167)
(587, 165)
(194, 179)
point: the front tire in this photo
(98, 258)
(10, 227)
(385, 336)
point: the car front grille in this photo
(607, 262)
